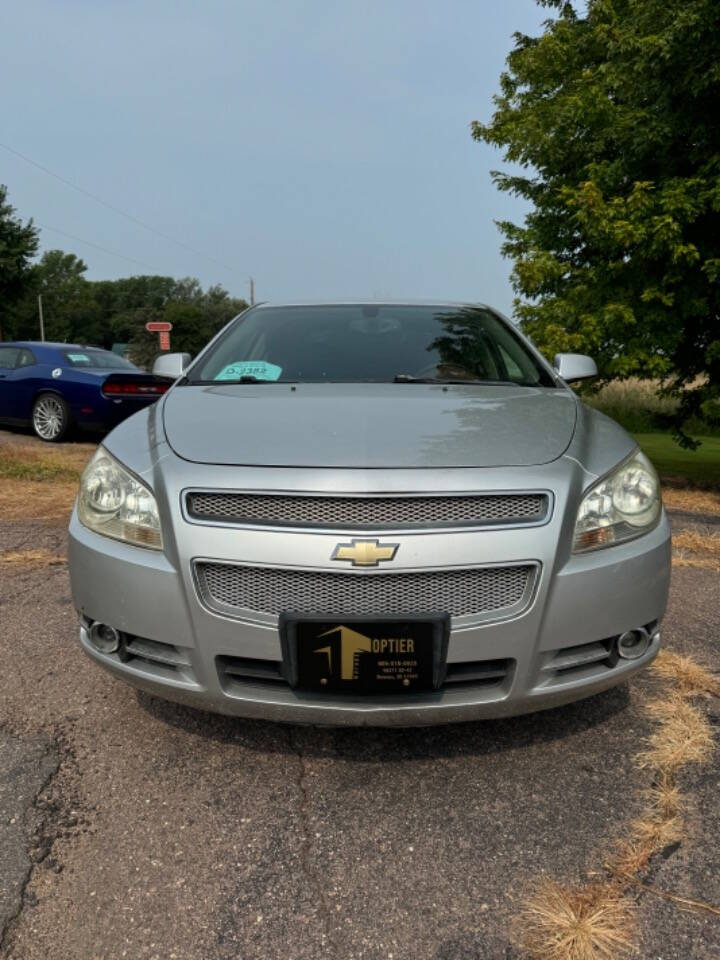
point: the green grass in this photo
(700, 468)
(17, 470)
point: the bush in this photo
(637, 405)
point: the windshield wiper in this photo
(409, 378)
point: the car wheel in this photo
(50, 417)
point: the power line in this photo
(110, 206)
(89, 243)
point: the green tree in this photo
(68, 307)
(18, 244)
(105, 312)
(195, 319)
(610, 120)
(126, 304)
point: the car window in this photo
(26, 358)
(98, 359)
(371, 342)
(514, 371)
(8, 357)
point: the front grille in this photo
(230, 588)
(583, 661)
(152, 657)
(476, 673)
(248, 670)
(153, 651)
(367, 513)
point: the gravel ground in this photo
(130, 827)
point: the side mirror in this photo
(575, 366)
(171, 365)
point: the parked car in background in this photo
(54, 386)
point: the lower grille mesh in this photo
(245, 670)
(230, 587)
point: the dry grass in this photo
(692, 501)
(699, 541)
(659, 825)
(631, 859)
(634, 394)
(683, 737)
(634, 853)
(655, 832)
(688, 677)
(34, 500)
(28, 460)
(694, 548)
(39, 481)
(21, 559)
(696, 561)
(641, 407)
(663, 799)
(594, 923)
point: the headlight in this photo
(622, 506)
(113, 502)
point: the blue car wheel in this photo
(50, 417)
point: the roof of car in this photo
(50, 343)
(371, 302)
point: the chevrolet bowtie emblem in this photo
(365, 553)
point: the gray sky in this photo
(322, 147)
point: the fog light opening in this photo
(633, 644)
(104, 638)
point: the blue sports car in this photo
(54, 386)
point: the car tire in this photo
(50, 417)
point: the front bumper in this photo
(553, 648)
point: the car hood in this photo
(369, 425)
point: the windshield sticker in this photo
(260, 369)
(78, 358)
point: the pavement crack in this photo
(315, 879)
(51, 758)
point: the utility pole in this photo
(42, 325)
(252, 292)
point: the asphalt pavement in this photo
(130, 827)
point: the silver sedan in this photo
(370, 513)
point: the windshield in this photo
(97, 359)
(370, 343)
